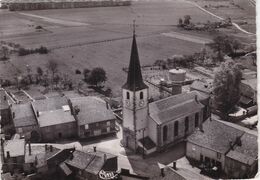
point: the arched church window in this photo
(127, 95)
(165, 133)
(141, 95)
(176, 128)
(196, 120)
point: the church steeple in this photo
(134, 79)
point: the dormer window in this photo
(127, 95)
(141, 95)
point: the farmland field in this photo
(92, 37)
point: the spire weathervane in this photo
(134, 27)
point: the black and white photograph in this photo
(128, 89)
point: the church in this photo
(153, 126)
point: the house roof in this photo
(251, 82)
(49, 104)
(3, 100)
(55, 117)
(247, 152)
(38, 152)
(95, 165)
(92, 110)
(134, 78)
(216, 136)
(174, 107)
(16, 147)
(205, 87)
(80, 159)
(24, 115)
(65, 169)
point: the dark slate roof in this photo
(3, 100)
(216, 136)
(92, 110)
(80, 160)
(248, 151)
(175, 107)
(134, 79)
(24, 115)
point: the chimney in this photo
(46, 147)
(51, 148)
(105, 158)
(196, 98)
(174, 165)
(30, 148)
(95, 148)
(13, 115)
(107, 105)
(162, 172)
(7, 154)
(37, 113)
(36, 161)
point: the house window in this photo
(176, 128)
(165, 133)
(104, 130)
(127, 95)
(141, 95)
(218, 155)
(86, 126)
(186, 124)
(196, 120)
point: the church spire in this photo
(134, 79)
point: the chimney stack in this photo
(30, 148)
(95, 148)
(8, 154)
(51, 148)
(174, 165)
(105, 158)
(162, 172)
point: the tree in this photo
(187, 19)
(97, 76)
(53, 67)
(5, 53)
(180, 22)
(86, 73)
(39, 71)
(226, 87)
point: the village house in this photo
(93, 115)
(54, 118)
(24, 120)
(248, 88)
(150, 127)
(225, 147)
(13, 152)
(88, 165)
(5, 110)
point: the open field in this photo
(91, 37)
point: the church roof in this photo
(175, 107)
(134, 79)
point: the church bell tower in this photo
(135, 102)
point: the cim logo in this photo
(107, 175)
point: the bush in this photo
(23, 52)
(38, 27)
(42, 50)
(77, 71)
